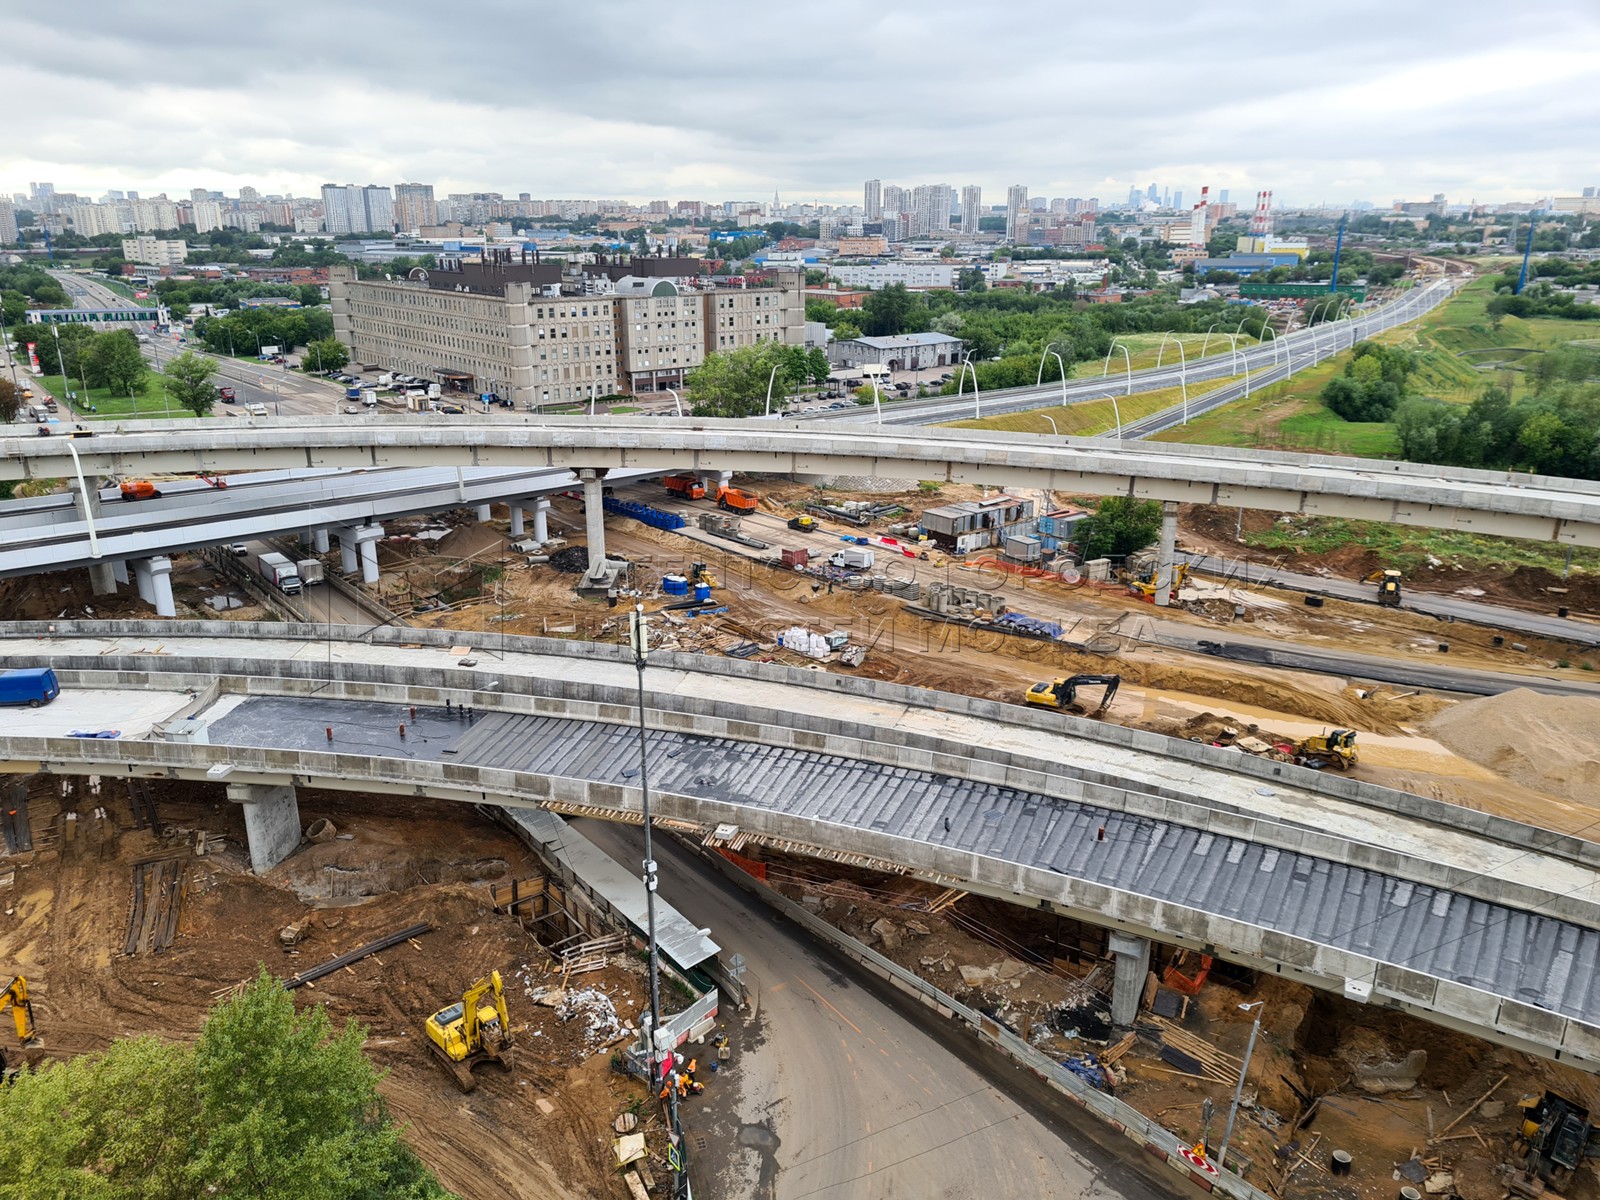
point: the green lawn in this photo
(1091, 417)
(1146, 348)
(152, 404)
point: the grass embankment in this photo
(1090, 417)
(1146, 348)
(1291, 416)
(1409, 549)
(152, 404)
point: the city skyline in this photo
(1383, 102)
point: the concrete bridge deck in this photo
(1470, 920)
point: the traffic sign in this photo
(1198, 1161)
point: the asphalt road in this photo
(1257, 366)
(841, 1089)
(1450, 608)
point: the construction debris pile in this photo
(596, 1014)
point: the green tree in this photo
(970, 279)
(1118, 526)
(188, 378)
(734, 383)
(325, 354)
(113, 361)
(893, 309)
(10, 402)
(290, 1107)
(270, 1104)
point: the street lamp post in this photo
(1038, 382)
(55, 331)
(639, 638)
(1183, 370)
(977, 403)
(1233, 1112)
(1206, 344)
(771, 379)
(676, 401)
(1116, 345)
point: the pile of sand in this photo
(1548, 743)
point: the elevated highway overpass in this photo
(1470, 920)
(1482, 502)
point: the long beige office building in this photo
(502, 324)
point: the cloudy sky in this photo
(713, 99)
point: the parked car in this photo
(454, 410)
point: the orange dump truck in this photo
(734, 500)
(687, 486)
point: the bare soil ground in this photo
(64, 928)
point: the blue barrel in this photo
(675, 585)
(702, 591)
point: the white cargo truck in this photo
(852, 558)
(310, 571)
(280, 573)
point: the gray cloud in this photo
(717, 99)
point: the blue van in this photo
(33, 686)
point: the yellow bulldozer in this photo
(1388, 582)
(1336, 749)
(473, 1030)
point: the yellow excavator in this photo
(1061, 693)
(475, 1029)
(1146, 585)
(15, 997)
(1388, 582)
(1336, 749)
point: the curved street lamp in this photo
(977, 403)
(675, 399)
(770, 380)
(1116, 345)
(1183, 370)
(1059, 363)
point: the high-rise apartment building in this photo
(872, 199)
(377, 205)
(971, 204)
(1016, 208)
(930, 209)
(340, 208)
(414, 206)
(895, 200)
(8, 222)
(154, 252)
(207, 215)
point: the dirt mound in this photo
(1548, 743)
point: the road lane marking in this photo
(830, 1007)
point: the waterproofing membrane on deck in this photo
(1506, 951)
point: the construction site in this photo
(131, 906)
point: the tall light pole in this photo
(1233, 1112)
(1059, 363)
(639, 639)
(772, 378)
(966, 365)
(676, 401)
(1116, 345)
(55, 331)
(1183, 370)
(1205, 344)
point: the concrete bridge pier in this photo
(714, 482)
(1132, 961)
(153, 577)
(485, 512)
(349, 553)
(119, 572)
(102, 580)
(271, 822)
(541, 519)
(1166, 552)
(367, 538)
(319, 541)
(516, 519)
(594, 519)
